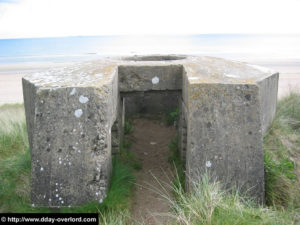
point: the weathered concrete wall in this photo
(70, 134)
(268, 100)
(146, 78)
(224, 135)
(117, 128)
(29, 93)
(71, 152)
(150, 102)
(75, 119)
(182, 131)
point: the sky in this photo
(57, 18)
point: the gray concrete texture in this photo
(75, 119)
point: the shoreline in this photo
(11, 77)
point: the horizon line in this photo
(154, 35)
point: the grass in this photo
(15, 169)
(282, 155)
(13, 133)
(172, 117)
(128, 127)
(208, 204)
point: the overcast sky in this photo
(48, 18)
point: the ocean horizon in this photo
(242, 47)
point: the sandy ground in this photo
(11, 79)
(11, 88)
(150, 139)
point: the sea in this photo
(242, 47)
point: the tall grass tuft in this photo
(282, 155)
(207, 204)
(13, 133)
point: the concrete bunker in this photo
(75, 116)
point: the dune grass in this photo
(282, 155)
(208, 204)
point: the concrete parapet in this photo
(75, 118)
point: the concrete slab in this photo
(75, 116)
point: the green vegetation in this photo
(172, 117)
(128, 127)
(13, 133)
(282, 154)
(208, 204)
(129, 159)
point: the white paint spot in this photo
(32, 205)
(208, 164)
(42, 169)
(69, 206)
(44, 196)
(83, 99)
(79, 151)
(155, 80)
(59, 162)
(78, 113)
(97, 193)
(101, 200)
(59, 198)
(62, 202)
(194, 78)
(231, 75)
(59, 158)
(70, 163)
(56, 190)
(73, 91)
(50, 199)
(56, 195)
(56, 184)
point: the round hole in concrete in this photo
(155, 58)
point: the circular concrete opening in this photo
(155, 58)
